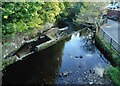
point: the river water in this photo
(73, 61)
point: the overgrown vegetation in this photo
(112, 72)
(21, 16)
(29, 17)
(91, 12)
(25, 16)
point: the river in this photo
(73, 61)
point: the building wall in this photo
(114, 12)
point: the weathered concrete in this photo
(33, 44)
(53, 41)
(49, 43)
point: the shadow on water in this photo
(37, 68)
(72, 61)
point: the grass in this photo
(114, 74)
(6, 44)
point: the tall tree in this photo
(91, 11)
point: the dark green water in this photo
(74, 61)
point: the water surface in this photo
(74, 61)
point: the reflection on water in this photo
(70, 62)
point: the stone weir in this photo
(39, 43)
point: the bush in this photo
(21, 16)
(114, 75)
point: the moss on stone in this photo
(112, 72)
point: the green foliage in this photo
(21, 16)
(116, 59)
(65, 7)
(106, 47)
(19, 26)
(6, 44)
(114, 74)
(91, 11)
(7, 62)
(7, 28)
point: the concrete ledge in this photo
(39, 47)
(47, 44)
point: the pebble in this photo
(90, 71)
(12, 43)
(23, 41)
(4, 56)
(78, 56)
(90, 82)
(58, 59)
(85, 73)
(81, 56)
(83, 80)
(78, 79)
(15, 46)
(93, 71)
(64, 74)
(86, 76)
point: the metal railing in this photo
(102, 22)
(113, 43)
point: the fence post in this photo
(110, 42)
(103, 33)
(98, 27)
(106, 20)
(119, 48)
(103, 21)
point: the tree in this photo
(91, 12)
(22, 16)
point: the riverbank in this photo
(13, 42)
(54, 34)
(114, 71)
(58, 64)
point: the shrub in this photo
(114, 75)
